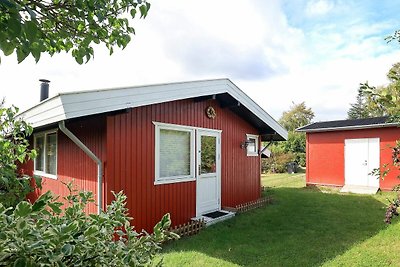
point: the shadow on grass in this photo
(303, 228)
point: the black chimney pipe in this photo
(44, 89)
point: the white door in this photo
(361, 157)
(208, 145)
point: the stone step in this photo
(359, 189)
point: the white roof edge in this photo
(260, 112)
(346, 128)
(141, 86)
(39, 115)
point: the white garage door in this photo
(361, 157)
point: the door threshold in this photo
(215, 217)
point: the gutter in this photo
(88, 152)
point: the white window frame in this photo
(174, 179)
(43, 173)
(252, 153)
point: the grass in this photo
(305, 227)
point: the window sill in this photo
(173, 181)
(45, 175)
(252, 154)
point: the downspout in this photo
(88, 152)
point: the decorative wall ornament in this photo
(210, 112)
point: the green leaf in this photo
(7, 47)
(31, 30)
(55, 207)
(143, 11)
(21, 55)
(21, 224)
(23, 209)
(20, 262)
(67, 249)
(91, 230)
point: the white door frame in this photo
(217, 134)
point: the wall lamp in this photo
(245, 144)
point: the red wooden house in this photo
(185, 148)
(344, 153)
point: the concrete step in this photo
(359, 189)
(210, 221)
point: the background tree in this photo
(35, 27)
(378, 101)
(298, 115)
(362, 108)
(294, 148)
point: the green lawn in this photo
(305, 227)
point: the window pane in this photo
(174, 153)
(251, 147)
(51, 153)
(39, 147)
(208, 154)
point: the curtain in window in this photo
(174, 153)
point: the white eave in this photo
(347, 128)
(71, 105)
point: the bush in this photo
(277, 163)
(41, 234)
(301, 159)
(14, 149)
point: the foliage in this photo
(14, 150)
(278, 161)
(364, 107)
(388, 99)
(295, 147)
(378, 101)
(391, 210)
(41, 234)
(298, 115)
(35, 27)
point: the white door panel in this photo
(208, 164)
(361, 157)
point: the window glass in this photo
(174, 153)
(39, 147)
(208, 154)
(51, 153)
(251, 145)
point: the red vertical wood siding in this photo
(325, 155)
(72, 162)
(131, 157)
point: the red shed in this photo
(185, 148)
(344, 153)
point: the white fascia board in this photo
(347, 128)
(95, 102)
(47, 112)
(256, 109)
(85, 103)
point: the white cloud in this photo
(319, 7)
(250, 42)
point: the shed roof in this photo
(65, 106)
(341, 125)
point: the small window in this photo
(252, 145)
(45, 163)
(174, 153)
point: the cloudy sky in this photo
(277, 51)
